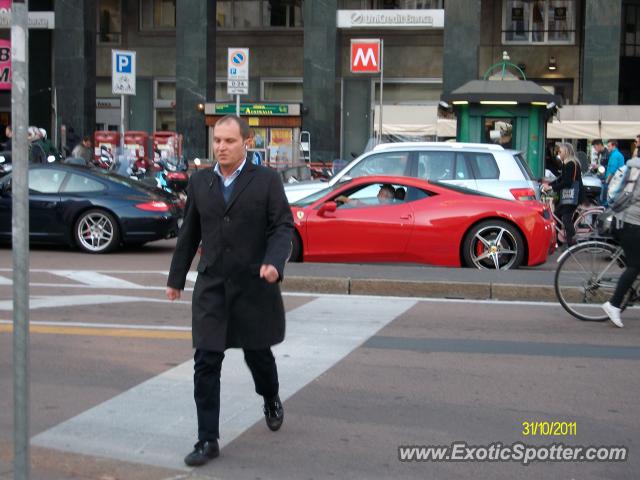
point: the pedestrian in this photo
(8, 132)
(616, 160)
(240, 213)
(36, 149)
(49, 149)
(636, 150)
(570, 175)
(629, 237)
(84, 150)
(601, 160)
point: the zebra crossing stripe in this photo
(94, 279)
(154, 423)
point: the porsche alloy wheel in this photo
(494, 245)
(96, 231)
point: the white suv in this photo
(483, 167)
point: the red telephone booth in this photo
(105, 144)
(136, 144)
(167, 145)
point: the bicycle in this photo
(584, 218)
(586, 277)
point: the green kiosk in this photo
(506, 110)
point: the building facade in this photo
(587, 51)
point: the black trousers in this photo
(206, 382)
(565, 212)
(629, 238)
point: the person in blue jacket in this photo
(616, 160)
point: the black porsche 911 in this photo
(92, 209)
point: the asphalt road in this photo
(360, 376)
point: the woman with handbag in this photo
(569, 188)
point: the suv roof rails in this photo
(451, 145)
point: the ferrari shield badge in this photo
(300, 215)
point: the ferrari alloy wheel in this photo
(96, 231)
(494, 245)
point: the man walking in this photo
(240, 213)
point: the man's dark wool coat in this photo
(232, 306)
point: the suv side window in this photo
(484, 164)
(434, 165)
(387, 163)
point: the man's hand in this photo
(269, 273)
(173, 293)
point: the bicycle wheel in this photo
(586, 277)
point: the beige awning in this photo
(595, 121)
(413, 120)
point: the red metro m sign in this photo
(365, 56)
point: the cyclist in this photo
(629, 238)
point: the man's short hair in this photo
(613, 142)
(86, 138)
(388, 187)
(239, 121)
(597, 141)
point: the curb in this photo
(415, 288)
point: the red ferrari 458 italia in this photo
(400, 219)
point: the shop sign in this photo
(5, 64)
(390, 18)
(44, 20)
(254, 109)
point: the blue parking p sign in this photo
(123, 63)
(123, 72)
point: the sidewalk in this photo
(526, 284)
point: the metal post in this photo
(20, 235)
(237, 105)
(381, 87)
(122, 125)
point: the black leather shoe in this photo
(203, 451)
(273, 413)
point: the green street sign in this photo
(252, 109)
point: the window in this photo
(390, 163)
(109, 26)
(44, 180)
(164, 102)
(499, 130)
(282, 90)
(631, 33)
(80, 183)
(538, 21)
(434, 165)
(221, 91)
(484, 165)
(157, 15)
(258, 13)
(413, 92)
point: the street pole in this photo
(238, 105)
(20, 236)
(122, 127)
(381, 87)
